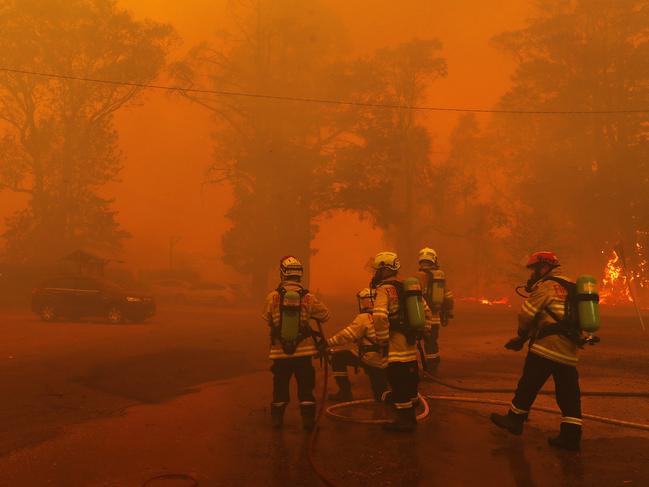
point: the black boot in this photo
(406, 421)
(432, 364)
(512, 422)
(344, 390)
(277, 415)
(308, 416)
(569, 437)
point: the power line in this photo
(319, 100)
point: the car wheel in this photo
(48, 313)
(115, 315)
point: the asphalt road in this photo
(92, 404)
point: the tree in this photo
(386, 173)
(59, 143)
(582, 179)
(273, 154)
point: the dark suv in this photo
(76, 297)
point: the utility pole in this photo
(173, 241)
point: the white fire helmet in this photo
(366, 299)
(290, 266)
(387, 260)
(428, 255)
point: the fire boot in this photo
(569, 437)
(277, 414)
(344, 390)
(511, 421)
(308, 416)
(432, 364)
(406, 421)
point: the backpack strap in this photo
(564, 326)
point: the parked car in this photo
(202, 292)
(76, 297)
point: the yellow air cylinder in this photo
(414, 302)
(290, 320)
(588, 303)
(438, 284)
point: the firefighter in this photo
(293, 357)
(403, 369)
(368, 354)
(440, 301)
(552, 352)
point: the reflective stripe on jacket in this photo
(312, 309)
(533, 316)
(360, 331)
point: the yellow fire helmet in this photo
(366, 299)
(290, 266)
(428, 255)
(387, 260)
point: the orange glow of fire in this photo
(614, 289)
(486, 301)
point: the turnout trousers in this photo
(283, 370)
(431, 348)
(403, 378)
(346, 358)
(536, 372)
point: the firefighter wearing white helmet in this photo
(294, 343)
(403, 369)
(367, 353)
(440, 301)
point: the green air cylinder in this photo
(414, 304)
(438, 286)
(290, 310)
(588, 303)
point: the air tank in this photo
(588, 303)
(414, 302)
(290, 320)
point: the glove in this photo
(515, 343)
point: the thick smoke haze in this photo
(167, 143)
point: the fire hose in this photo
(332, 411)
(482, 390)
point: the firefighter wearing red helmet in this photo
(288, 312)
(552, 352)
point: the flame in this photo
(614, 289)
(486, 301)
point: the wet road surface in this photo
(90, 404)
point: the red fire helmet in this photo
(544, 257)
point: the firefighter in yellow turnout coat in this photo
(403, 368)
(551, 352)
(366, 355)
(439, 299)
(297, 360)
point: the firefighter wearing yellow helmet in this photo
(545, 320)
(294, 343)
(366, 355)
(440, 301)
(403, 368)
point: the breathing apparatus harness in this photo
(399, 321)
(304, 332)
(568, 325)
